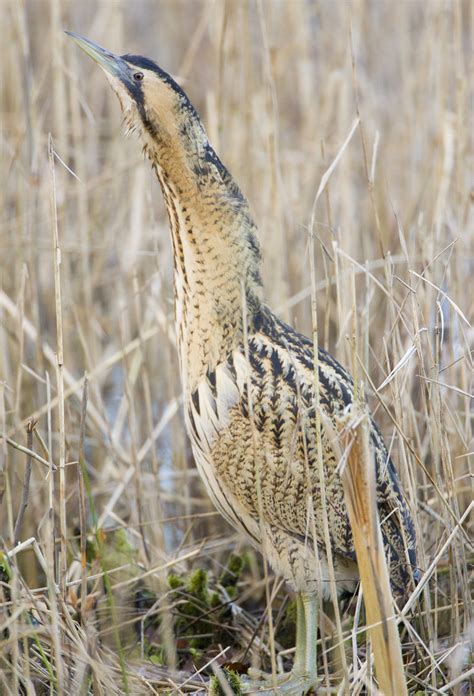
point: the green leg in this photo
(310, 608)
(300, 651)
(303, 676)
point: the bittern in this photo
(247, 377)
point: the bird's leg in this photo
(309, 652)
(303, 676)
(300, 649)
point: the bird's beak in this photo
(112, 64)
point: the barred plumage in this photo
(278, 379)
(248, 378)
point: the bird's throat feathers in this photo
(216, 250)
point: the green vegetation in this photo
(233, 679)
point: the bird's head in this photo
(153, 104)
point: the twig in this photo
(29, 452)
(459, 679)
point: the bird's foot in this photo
(292, 683)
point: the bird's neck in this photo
(216, 251)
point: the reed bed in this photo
(117, 576)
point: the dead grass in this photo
(97, 481)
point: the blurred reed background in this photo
(278, 85)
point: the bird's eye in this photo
(138, 76)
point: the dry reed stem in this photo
(359, 489)
(62, 565)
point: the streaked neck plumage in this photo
(216, 251)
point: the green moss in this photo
(5, 570)
(214, 599)
(232, 572)
(198, 585)
(233, 679)
(200, 608)
(157, 658)
(174, 581)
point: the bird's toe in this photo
(286, 684)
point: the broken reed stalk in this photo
(359, 489)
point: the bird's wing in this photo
(282, 375)
(252, 425)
